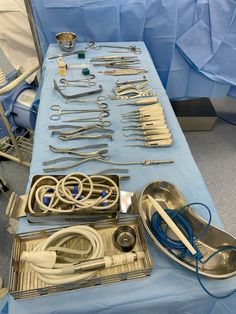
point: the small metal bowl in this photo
(66, 41)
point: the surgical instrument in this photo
(60, 112)
(143, 126)
(77, 66)
(140, 80)
(140, 102)
(119, 72)
(93, 91)
(133, 92)
(147, 128)
(157, 114)
(150, 138)
(78, 152)
(82, 130)
(123, 65)
(116, 171)
(131, 48)
(85, 82)
(117, 64)
(160, 123)
(66, 54)
(145, 109)
(155, 118)
(101, 105)
(131, 97)
(84, 160)
(154, 144)
(99, 119)
(57, 149)
(99, 100)
(165, 142)
(113, 59)
(120, 89)
(62, 126)
(85, 136)
(151, 121)
(157, 109)
(148, 132)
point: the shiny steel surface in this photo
(66, 41)
(223, 264)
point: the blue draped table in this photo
(170, 288)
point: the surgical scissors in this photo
(100, 119)
(86, 82)
(132, 48)
(59, 112)
(99, 101)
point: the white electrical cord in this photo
(3, 79)
(44, 263)
(44, 259)
(74, 192)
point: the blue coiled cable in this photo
(161, 235)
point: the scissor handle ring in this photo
(63, 81)
(104, 114)
(101, 98)
(105, 123)
(103, 105)
(55, 117)
(55, 107)
(90, 45)
(91, 76)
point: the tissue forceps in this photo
(60, 112)
(85, 82)
(132, 48)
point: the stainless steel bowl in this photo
(222, 265)
(66, 41)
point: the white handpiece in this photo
(172, 225)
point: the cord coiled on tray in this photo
(74, 192)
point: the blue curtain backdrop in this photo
(192, 42)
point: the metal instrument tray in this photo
(19, 204)
(23, 282)
(222, 265)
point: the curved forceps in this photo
(132, 48)
(85, 82)
(59, 112)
